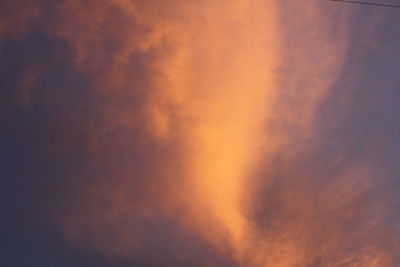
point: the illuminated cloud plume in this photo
(199, 133)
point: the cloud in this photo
(196, 133)
(205, 70)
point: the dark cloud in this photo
(63, 162)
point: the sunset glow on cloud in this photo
(199, 133)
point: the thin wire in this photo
(366, 3)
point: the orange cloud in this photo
(209, 80)
(206, 122)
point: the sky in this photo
(237, 133)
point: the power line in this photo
(366, 3)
